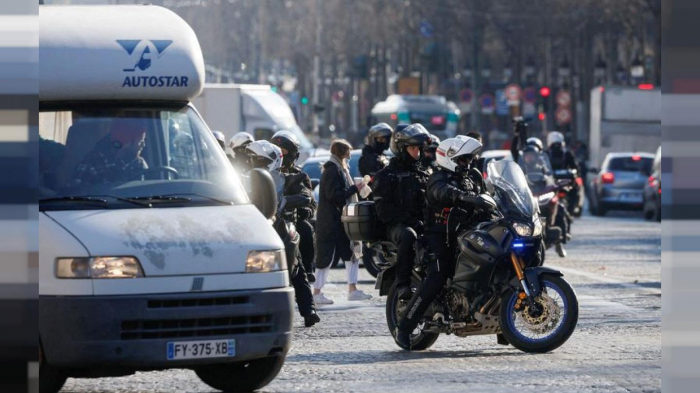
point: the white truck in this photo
(623, 119)
(256, 109)
(151, 253)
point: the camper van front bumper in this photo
(134, 331)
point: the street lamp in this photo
(637, 69)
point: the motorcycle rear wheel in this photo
(553, 287)
(420, 340)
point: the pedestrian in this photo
(336, 189)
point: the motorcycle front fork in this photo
(518, 266)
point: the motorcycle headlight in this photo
(523, 230)
(265, 261)
(99, 267)
(538, 227)
(545, 197)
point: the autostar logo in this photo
(143, 54)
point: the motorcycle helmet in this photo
(288, 141)
(220, 138)
(239, 142)
(554, 138)
(264, 154)
(381, 130)
(412, 135)
(456, 154)
(535, 142)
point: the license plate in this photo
(631, 198)
(204, 349)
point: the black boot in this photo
(311, 319)
(403, 339)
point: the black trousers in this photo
(441, 268)
(302, 290)
(306, 245)
(405, 239)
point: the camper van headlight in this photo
(523, 230)
(98, 267)
(265, 261)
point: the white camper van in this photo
(152, 255)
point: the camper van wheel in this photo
(241, 377)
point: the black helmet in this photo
(535, 142)
(381, 130)
(288, 141)
(434, 142)
(412, 135)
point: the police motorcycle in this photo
(572, 196)
(548, 192)
(499, 285)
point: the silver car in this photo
(619, 185)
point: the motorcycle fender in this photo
(385, 279)
(532, 277)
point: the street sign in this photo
(529, 109)
(563, 99)
(530, 95)
(501, 103)
(465, 100)
(513, 94)
(563, 116)
(487, 103)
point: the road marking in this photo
(607, 279)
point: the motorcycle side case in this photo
(479, 252)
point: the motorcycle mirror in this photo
(263, 193)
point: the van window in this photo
(120, 156)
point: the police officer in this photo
(220, 138)
(267, 156)
(237, 155)
(449, 187)
(299, 182)
(559, 155)
(399, 195)
(373, 159)
(428, 160)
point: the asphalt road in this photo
(614, 264)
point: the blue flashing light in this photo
(518, 245)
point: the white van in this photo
(255, 109)
(152, 255)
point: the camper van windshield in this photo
(126, 157)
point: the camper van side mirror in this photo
(314, 183)
(263, 194)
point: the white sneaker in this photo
(358, 295)
(320, 299)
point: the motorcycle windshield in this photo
(537, 169)
(512, 192)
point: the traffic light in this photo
(274, 88)
(542, 116)
(545, 91)
(304, 100)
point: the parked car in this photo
(652, 190)
(619, 185)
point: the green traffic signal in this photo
(304, 100)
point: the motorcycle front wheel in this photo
(546, 328)
(420, 340)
